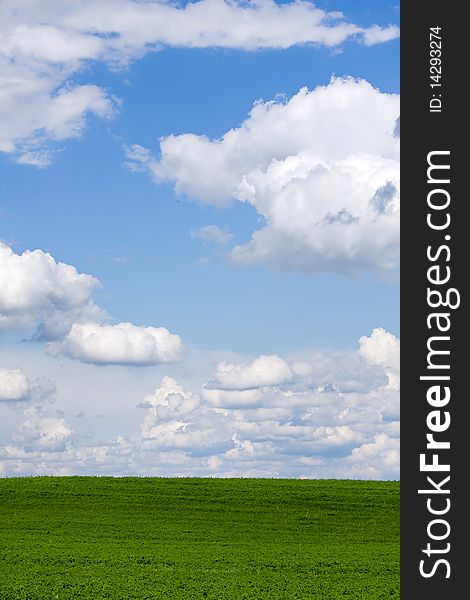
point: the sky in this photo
(199, 238)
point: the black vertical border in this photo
(423, 132)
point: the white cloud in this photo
(35, 158)
(315, 415)
(379, 458)
(13, 385)
(377, 35)
(233, 398)
(36, 289)
(171, 400)
(263, 371)
(211, 233)
(120, 260)
(119, 344)
(322, 169)
(42, 45)
(41, 431)
(383, 348)
(37, 105)
(283, 425)
(338, 372)
(176, 420)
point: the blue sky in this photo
(90, 202)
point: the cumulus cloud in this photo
(43, 45)
(312, 415)
(13, 385)
(273, 417)
(176, 420)
(377, 35)
(171, 400)
(233, 398)
(263, 371)
(37, 291)
(321, 169)
(37, 105)
(383, 349)
(119, 344)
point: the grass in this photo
(207, 539)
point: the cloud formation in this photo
(211, 233)
(13, 385)
(263, 371)
(315, 415)
(36, 289)
(275, 417)
(383, 349)
(322, 169)
(42, 432)
(119, 344)
(37, 292)
(43, 45)
(177, 420)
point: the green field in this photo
(233, 539)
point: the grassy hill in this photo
(224, 539)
